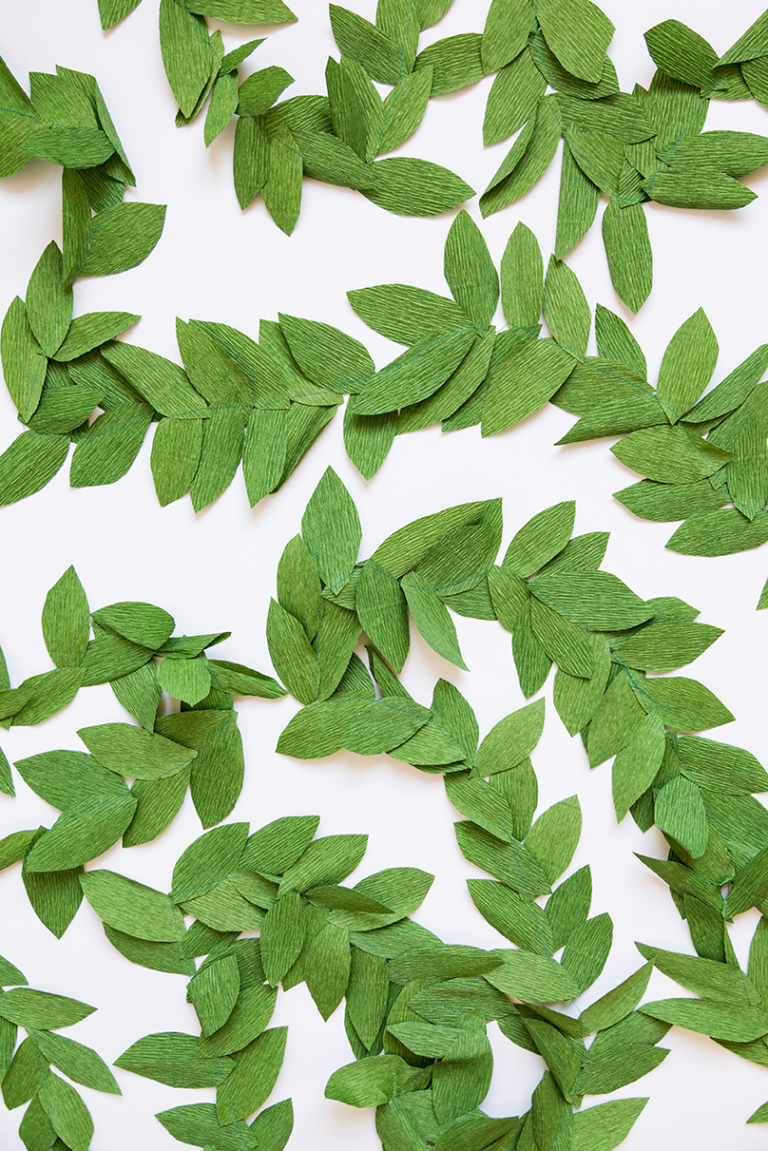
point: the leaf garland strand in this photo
(334, 138)
(549, 592)
(56, 1115)
(553, 79)
(416, 1010)
(262, 405)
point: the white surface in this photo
(217, 570)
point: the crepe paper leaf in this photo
(709, 1017)
(299, 586)
(554, 836)
(685, 704)
(568, 908)
(171, 1057)
(666, 646)
(134, 752)
(613, 604)
(566, 309)
(291, 653)
(31, 461)
(603, 1127)
(327, 966)
(587, 950)
(682, 53)
(636, 764)
(679, 811)
(49, 302)
(251, 158)
(540, 540)
(213, 992)
(663, 502)
(327, 356)
(66, 620)
(688, 365)
(628, 248)
(55, 896)
(197, 1123)
(528, 159)
(111, 657)
(617, 1004)
(512, 740)
(367, 45)
(42, 1010)
(157, 803)
(528, 377)
(90, 331)
(469, 270)
(41, 696)
(331, 529)
(383, 612)
(578, 33)
(253, 1078)
(487, 807)
(403, 109)
(408, 186)
(282, 936)
(725, 532)
(719, 766)
(67, 778)
(506, 31)
(415, 375)
(160, 381)
(749, 888)
(249, 1018)
(106, 451)
(433, 621)
(717, 981)
(515, 92)
(369, 1082)
(185, 679)
(168, 957)
(455, 62)
(406, 314)
(112, 11)
(78, 1062)
(131, 907)
(536, 977)
(520, 921)
(24, 362)
(10, 974)
(187, 58)
(122, 237)
(68, 1114)
(282, 188)
(261, 89)
(616, 342)
(211, 858)
(81, 833)
(579, 198)
(326, 861)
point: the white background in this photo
(216, 570)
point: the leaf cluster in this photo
(554, 79)
(416, 1010)
(335, 138)
(56, 1115)
(133, 649)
